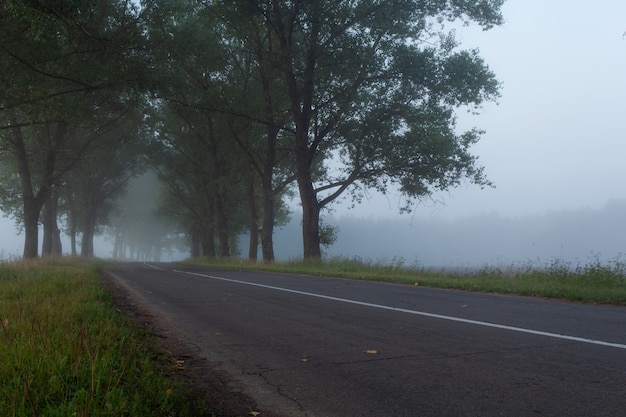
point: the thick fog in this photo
(556, 140)
(571, 236)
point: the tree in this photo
(187, 152)
(103, 174)
(269, 153)
(212, 58)
(372, 88)
(194, 157)
(55, 61)
(200, 84)
(338, 96)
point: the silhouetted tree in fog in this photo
(372, 87)
(57, 62)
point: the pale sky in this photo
(557, 138)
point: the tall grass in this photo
(66, 351)
(594, 282)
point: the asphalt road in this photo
(314, 346)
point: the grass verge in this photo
(67, 351)
(594, 282)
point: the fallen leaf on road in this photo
(371, 351)
(304, 358)
(218, 333)
(254, 413)
(416, 284)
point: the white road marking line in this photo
(415, 312)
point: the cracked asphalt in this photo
(316, 347)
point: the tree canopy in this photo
(237, 106)
(69, 72)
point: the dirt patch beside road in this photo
(208, 384)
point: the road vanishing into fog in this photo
(314, 346)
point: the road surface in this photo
(317, 347)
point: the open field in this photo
(67, 351)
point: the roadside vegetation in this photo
(67, 351)
(594, 282)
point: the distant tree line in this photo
(237, 106)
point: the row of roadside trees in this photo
(236, 105)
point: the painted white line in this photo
(415, 312)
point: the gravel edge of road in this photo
(206, 381)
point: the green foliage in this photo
(66, 351)
(339, 96)
(71, 77)
(328, 234)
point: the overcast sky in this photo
(556, 139)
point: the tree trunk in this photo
(268, 192)
(116, 244)
(269, 165)
(86, 245)
(57, 246)
(308, 198)
(51, 245)
(208, 242)
(32, 204)
(196, 246)
(216, 188)
(301, 100)
(310, 222)
(119, 245)
(222, 227)
(46, 244)
(253, 244)
(267, 231)
(73, 227)
(31, 228)
(253, 215)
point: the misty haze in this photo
(413, 240)
(553, 143)
(440, 181)
(572, 236)
(569, 236)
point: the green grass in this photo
(66, 351)
(594, 282)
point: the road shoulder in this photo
(206, 381)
